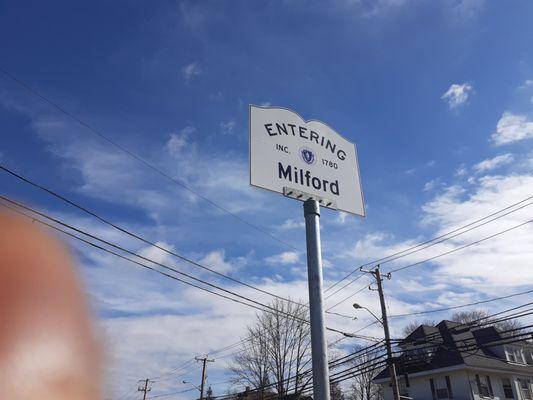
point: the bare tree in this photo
(276, 349)
(483, 317)
(362, 387)
(336, 391)
(250, 366)
(467, 317)
(411, 326)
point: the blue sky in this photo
(438, 97)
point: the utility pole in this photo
(384, 321)
(204, 360)
(144, 387)
(319, 349)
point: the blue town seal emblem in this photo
(307, 155)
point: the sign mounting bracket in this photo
(303, 196)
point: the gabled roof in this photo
(449, 339)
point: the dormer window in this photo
(514, 354)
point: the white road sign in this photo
(290, 155)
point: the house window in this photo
(484, 386)
(441, 388)
(507, 388)
(515, 355)
(525, 388)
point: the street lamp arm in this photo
(192, 384)
(374, 315)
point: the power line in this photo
(143, 239)
(141, 160)
(462, 247)
(134, 235)
(488, 319)
(334, 363)
(442, 255)
(462, 305)
(242, 342)
(350, 372)
(123, 249)
(258, 305)
(375, 364)
(346, 298)
(431, 242)
(133, 261)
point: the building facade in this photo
(455, 361)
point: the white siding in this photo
(420, 388)
(463, 384)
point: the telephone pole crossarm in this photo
(144, 387)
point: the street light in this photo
(192, 384)
(358, 306)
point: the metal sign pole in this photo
(314, 270)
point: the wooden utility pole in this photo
(384, 321)
(204, 360)
(145, 389)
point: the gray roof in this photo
(449, 339)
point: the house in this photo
(454, 361)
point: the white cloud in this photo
(461, 171)
(512, 128)
(227, 127)
(217, 260)
(285, 258)
(222, 176)
(378, 8)
(487, 263)
(190, 70)
(493, 163)
(291, 224)
(457, 94)
(179, 140)
(527, 84)
(375, 245)
(341, 217)
(158, 255)
(414, 170)
(432, 184)
(467, 9)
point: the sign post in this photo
(307, 161)
(319, 349)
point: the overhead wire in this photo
(134, 235)
(143, 239)
(141, 160)
(456, 249)
(400, 253)
(476, 303)
(462, 247)
(257, 305)
(350, 372)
